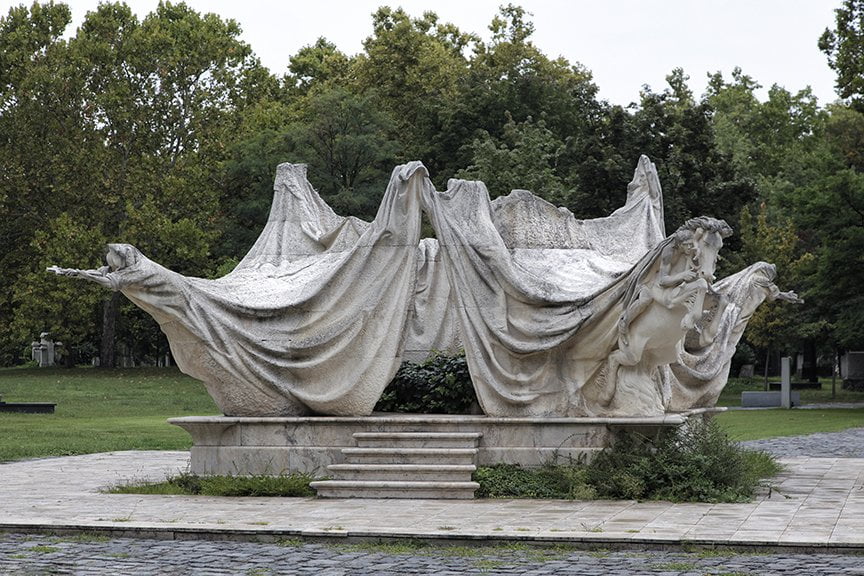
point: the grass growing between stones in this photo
(286, 485)
(98, 410)
(697, 463)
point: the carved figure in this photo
(666, 301)
(697, 377)
(119, 256)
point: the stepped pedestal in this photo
(405, 465)
(397, 448)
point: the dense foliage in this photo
(283, 485)
(439, 385)
(695, 463)
(165, 132)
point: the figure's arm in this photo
(665, 278)
(789, 296)
(101, 276)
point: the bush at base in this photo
(439, 385)
(695, 463)
(286, 485)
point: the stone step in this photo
(418, 439)
(384, 489)
(403, 472)
(410, 455)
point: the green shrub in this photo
(695, 463)
(550, 481)
(439, 385)
(286, 485)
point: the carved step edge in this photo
(410, 455)
(430, 465)
(417, 439)
(403, 472)
(387, 489)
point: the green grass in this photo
(106, 410)
(742, 425)
(286, 485)
(745, 425)
(731, 395)
(98, 410)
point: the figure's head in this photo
(702, 238)
(120, 256)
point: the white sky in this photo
(625, 43)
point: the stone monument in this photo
(562, 320)
(45, 351)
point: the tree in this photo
(677, 133)
(414, 65)
(844, 47)
(44, 147)
(124, 127)
(319, 63)
(525, 157)
(774, 326)
(826, 204)
(509, 80)
(68, 310)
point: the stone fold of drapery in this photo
(311, 320)
(537, 292)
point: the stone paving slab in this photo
(817, 503)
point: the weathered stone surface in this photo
(251, 446)
(558, 317)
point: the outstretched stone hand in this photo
(101, 276)
(789, 296)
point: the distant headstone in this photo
(772, 399)
(44, 352)
(786, 382)
(852, 370)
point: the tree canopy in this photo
(165, 132)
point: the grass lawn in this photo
(105, 410)
(731, 395)
(744, 425)
(756, 424)
(98, 410)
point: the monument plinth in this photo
(252, 446)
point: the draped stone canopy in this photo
(323, 309)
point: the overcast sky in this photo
(625, 43)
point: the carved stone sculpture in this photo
(557, 316)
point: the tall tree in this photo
(414, 64)
(677, 133)
(844, 47)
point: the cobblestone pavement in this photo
(846, 444)
(82, 555)
(23, 554)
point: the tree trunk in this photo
(109, 328)
(810, 368)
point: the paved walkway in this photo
(815, 503)
(815, 506)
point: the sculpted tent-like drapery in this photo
(312, 318)
(319, 314)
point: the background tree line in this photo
(165, 133)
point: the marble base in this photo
(272, 446)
